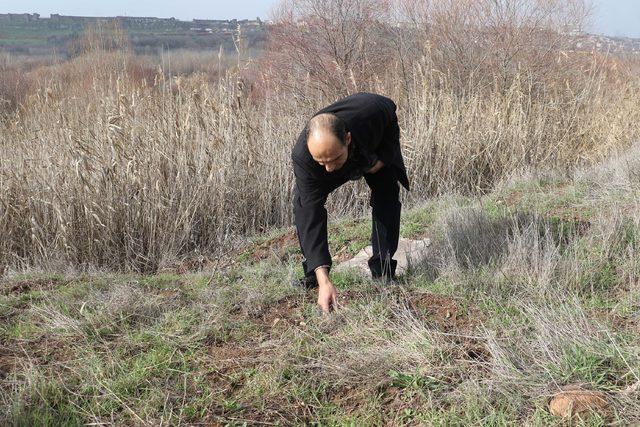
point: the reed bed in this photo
(108, 166)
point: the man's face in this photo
(328, 150)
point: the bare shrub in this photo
(490, 43)
(336, 46)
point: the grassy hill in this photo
(530, 288)
(31, 34)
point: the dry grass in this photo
(466, 339)
(114, 161)
(106, 167)
(531, 282)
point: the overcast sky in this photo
(613, 17)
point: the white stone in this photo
(409, 251)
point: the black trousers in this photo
(385, 223)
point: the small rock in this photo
(632, 388)
(408, 251)
(569, 403)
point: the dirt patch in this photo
(280, 314)
(512, 199)
(280, 247)
(573, 218)
(618, 321)
(342, 254)
(444, 310)
(228, 357)
(288, 311)
(349, 398)
(8, 362)
(192, 264)
(43, 351)
(230, 367)
(475, 351)
(233, 364)
(347, 296)
(450, 316)
(24, 286)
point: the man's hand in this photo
(379, 164)
(327, 295)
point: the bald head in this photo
(327, 122)
(328, 141)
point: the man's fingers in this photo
(324, 305)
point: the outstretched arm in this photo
(311, 223)
(311, 217)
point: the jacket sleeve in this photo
(310, 215)
(389, 147)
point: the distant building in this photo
(19, 18)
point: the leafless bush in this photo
(336, 47)
(339, 47)
(490, 43)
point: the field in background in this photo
(146, 249)
(32, 35)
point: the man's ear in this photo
(347, 138)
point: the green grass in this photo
(241, 345)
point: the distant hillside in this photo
(32, 34)
(613, 45)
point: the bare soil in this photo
(24, 286)
(278, 247)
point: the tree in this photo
(335, 46)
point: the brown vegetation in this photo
(115, 162)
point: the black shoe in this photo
(305, 283)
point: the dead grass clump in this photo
(559, 344)
(474, 239)
(363, 345)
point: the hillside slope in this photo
(524, 291)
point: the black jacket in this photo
(375, 134)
